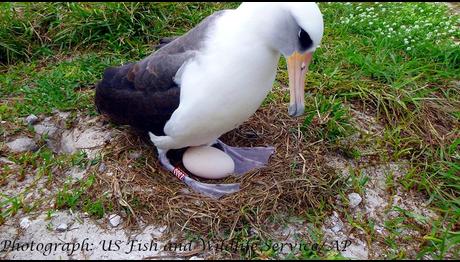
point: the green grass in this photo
(33, 30)
(401, 61)
(330, 116)
(71, 196)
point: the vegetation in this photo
(399, 62)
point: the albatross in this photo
(198, 86)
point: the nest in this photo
(295, 181)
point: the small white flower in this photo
(408, 48)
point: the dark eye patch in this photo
(305, 40)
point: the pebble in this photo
(336, 222)
(25, 223)
(102, 168)
(114, 220)
(31, 119)
(62, 227)
(354, 199)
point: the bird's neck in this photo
(269, 24)
(251, 31)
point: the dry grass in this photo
(295, 181)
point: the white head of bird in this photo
(295, 30)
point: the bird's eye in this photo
(305, 40)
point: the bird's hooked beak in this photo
(297, 69)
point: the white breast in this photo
(222, 87)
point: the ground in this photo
(370, 171)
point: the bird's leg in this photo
(164, 160)
(215, 191)
(247, 158)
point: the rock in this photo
(25, 223)
(90, 139)
(114, 220)
(337, 227)
(196, 258)
(253, 232)
(102, 168)
(22, 144)
(31, 119)
(46, 128)
(336, 222)
(355, 199)
(62, 227)
(380, 229)
(374, 203)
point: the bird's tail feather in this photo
(118, 98)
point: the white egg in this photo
(208, 162)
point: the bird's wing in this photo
(144, 94)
